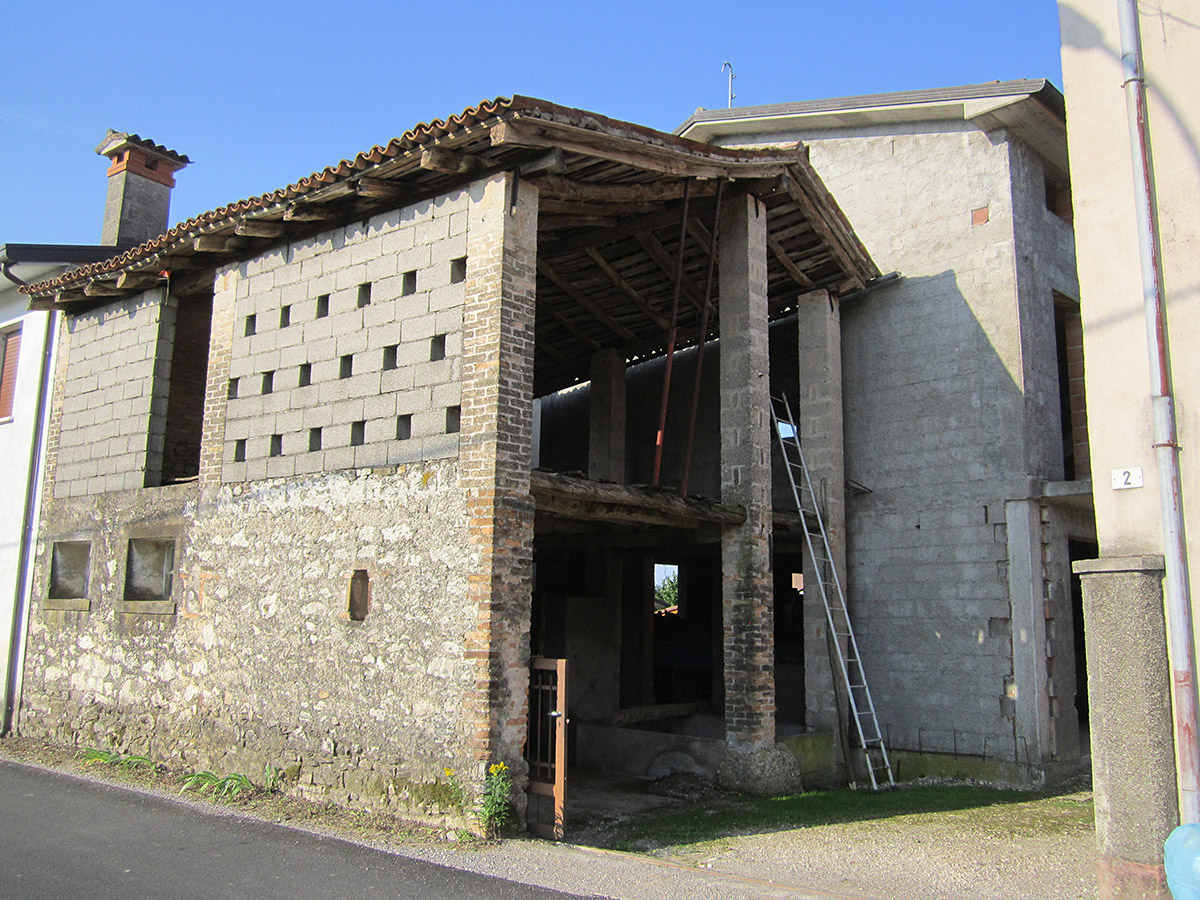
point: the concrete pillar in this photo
(819, 342)
(1027, 596)
(606, 421)
(752, 762)
(1133, 746)
(495, 450)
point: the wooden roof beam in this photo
(450, 162)
(259, 228)
(622, 285)
(660, 256)
(575, 294)
(794, 270)
(624, 150)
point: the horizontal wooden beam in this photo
(136, 281)
(101, 289)
(450, 162)
(579, 498)
(558, 187)
(212, 243)
(628, 151)
(260, 228)
(379, 188)
(306, 212)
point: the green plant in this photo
(458, 794)
(199, 781)
(232, 784)
(666, 595)
(134, 760)
(495, 806)
(94, 755)
(273, 777)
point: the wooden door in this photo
(546, 747)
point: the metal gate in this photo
(546, 747)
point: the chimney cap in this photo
(116, 141)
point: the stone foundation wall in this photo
(255, 658)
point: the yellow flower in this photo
(497, 768)
(448, 772)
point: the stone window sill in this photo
(146, 607)
(72, 604)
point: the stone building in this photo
(292, 516)
(965, 455)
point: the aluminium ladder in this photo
(833, 597)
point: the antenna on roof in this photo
(728, 65)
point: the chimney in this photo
(139, 188)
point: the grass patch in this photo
(1013, 812)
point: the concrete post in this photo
(495, 450)
(1133, 747)
(606, 422)
(1027, 593)
(752, 762)
(819, 341)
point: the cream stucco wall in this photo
(1115, 348)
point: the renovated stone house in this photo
(292, 515)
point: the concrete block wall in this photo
(943, 419)
(111, 428)
(364, 305)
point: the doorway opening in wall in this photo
(788, 581)
(186, 386)
(1068, 333)
(1078, 550)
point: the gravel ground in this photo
(1042, 850)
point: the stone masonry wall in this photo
(261, 663)
(112, 356)
(347, 346)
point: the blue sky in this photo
(260, 94)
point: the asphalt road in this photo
(65, 838)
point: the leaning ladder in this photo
(833, 598)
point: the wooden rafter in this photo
(260, 228)
(615, 277)
(780, 254)
(660, 256)
(575, 294)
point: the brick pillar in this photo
(606, 421)
(495, 450)
(752, 762)
(1133, 739)
(819, 342)
(216, 392)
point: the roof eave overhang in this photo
(499, 136)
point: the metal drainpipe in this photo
(1166, 448)
(16, 648)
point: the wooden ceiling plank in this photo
(794, 270)
(615, 277)
(567, 288)
(817, 220)
(545, 306)
(665, 262)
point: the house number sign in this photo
(1124, 479)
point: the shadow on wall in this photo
(1081, 33)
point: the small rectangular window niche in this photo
(149, 569)
(70, 562)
